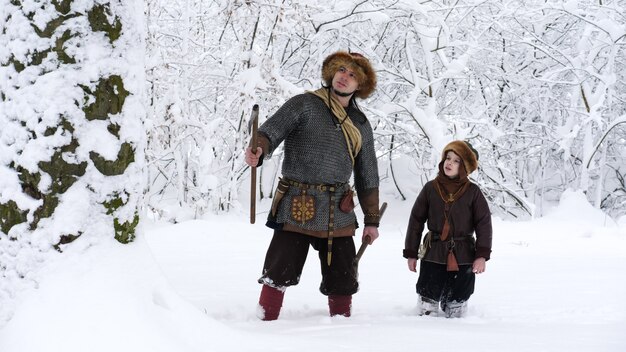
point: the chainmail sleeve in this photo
(366, 179)
(282, 123)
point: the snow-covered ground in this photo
(553, 284)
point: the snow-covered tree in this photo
(72, 138)
(537, 87)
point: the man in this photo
(326, 137)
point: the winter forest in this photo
(112, 109)
(538, 87)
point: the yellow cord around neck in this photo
(350, 132)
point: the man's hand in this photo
(412, 263)
(479, 266)
(251, 158)
(371, 232)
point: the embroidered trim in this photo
(302, 208)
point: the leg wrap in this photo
(271, 301)
(339, 305)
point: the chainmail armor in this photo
(316, 153)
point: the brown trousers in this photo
(287, 254)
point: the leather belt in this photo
(321, 187)
(331, 188)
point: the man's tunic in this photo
(316, 153)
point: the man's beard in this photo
(342, 94)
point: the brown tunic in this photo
(468, 215)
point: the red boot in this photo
(271, 301)
(339, 305)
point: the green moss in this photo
(114, 203)
(37, 57)
(125, 232)
(50, 131)
(125, 156)
(50, 203)
(11, 215)
(52, 25)
(110, 95)
(65, 239)
(99, 21)
(114, 129)
(62, 6)
(19, 67)
(29, 182)
(63, 174)
(66, 125)
(59, 48)
(30, 186)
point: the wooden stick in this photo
(254, 120)
(367, 240)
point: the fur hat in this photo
(465, 151)
(366, 76)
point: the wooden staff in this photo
(254, 122)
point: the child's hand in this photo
(479, 266)
(412, 262)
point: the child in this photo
(454, 208)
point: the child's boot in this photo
(454, 309)
(427, 306)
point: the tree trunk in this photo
(72, 140)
